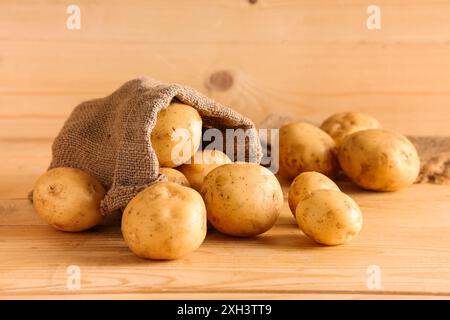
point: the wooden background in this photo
(303, 59)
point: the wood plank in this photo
(397, 83)
(226, 21)
(405, 234)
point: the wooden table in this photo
(301, 59)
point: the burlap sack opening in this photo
(109, 137)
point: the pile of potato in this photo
(169, 219)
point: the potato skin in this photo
(304, 147)
(164, 221)
(68, 199)
(379, 160)
(201, 164)
(304, 184)
(173, 175)
(176, 116)
(329, 217)
(242, 199)
(340, 125)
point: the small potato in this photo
(68, 199)
(379, 160)
(304, 147)
(242, 199)
(174, 175)
(329, 217)
(164, 221)
(201, 164)
(340, 125)
(177, 134)
(304, 184)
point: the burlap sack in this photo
(109, 138)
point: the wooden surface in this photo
(301, 59)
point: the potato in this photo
(174, 175)
(242, 199)
(176, 135)
(379, 160)
(164, 221)
(304, 147)
(340, 125)
(201, 164)
(68, 199)
(304, 184)
(329, 217)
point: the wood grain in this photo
(302, 59)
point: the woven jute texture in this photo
(109, 138)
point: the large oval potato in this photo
(304, 184)
(304, 147)
(173, 175)
(379, 160)
(164, 221)
(242, 199)
(176, 135)
(201, 164)
(340, 125)
(329, 217)
(68, 199)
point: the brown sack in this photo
(109, 138)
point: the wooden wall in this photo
(305, 59)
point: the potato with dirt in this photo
(177, 134)
(242, 199)
(304, 184)
(379, 160)
(164, 221)
(304, 147)
(340, 125)
(68, 199)
(329, 217)
(202, 163)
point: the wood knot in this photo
(220, 80)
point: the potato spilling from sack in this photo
(68, 199)
(202, 163)
(165, 221)
(379, 160)
(177, 134)
(304, 147)
(242, 199)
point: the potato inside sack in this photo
(329, 217)
(164, 221)
(173, 175)
(303, 186)
(304, 147)
(201, 164)
(177, 134)
(340, 125)
(379, 160)
(68, 199)
(242, 199)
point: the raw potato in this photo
(164, 221)
(340, 125)
(174, 175)
(177, 134)
(304, 147)
(68, 199)
(329, 217)
(304, 184)
(201, 164)
(242, 199)
(379, 160)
